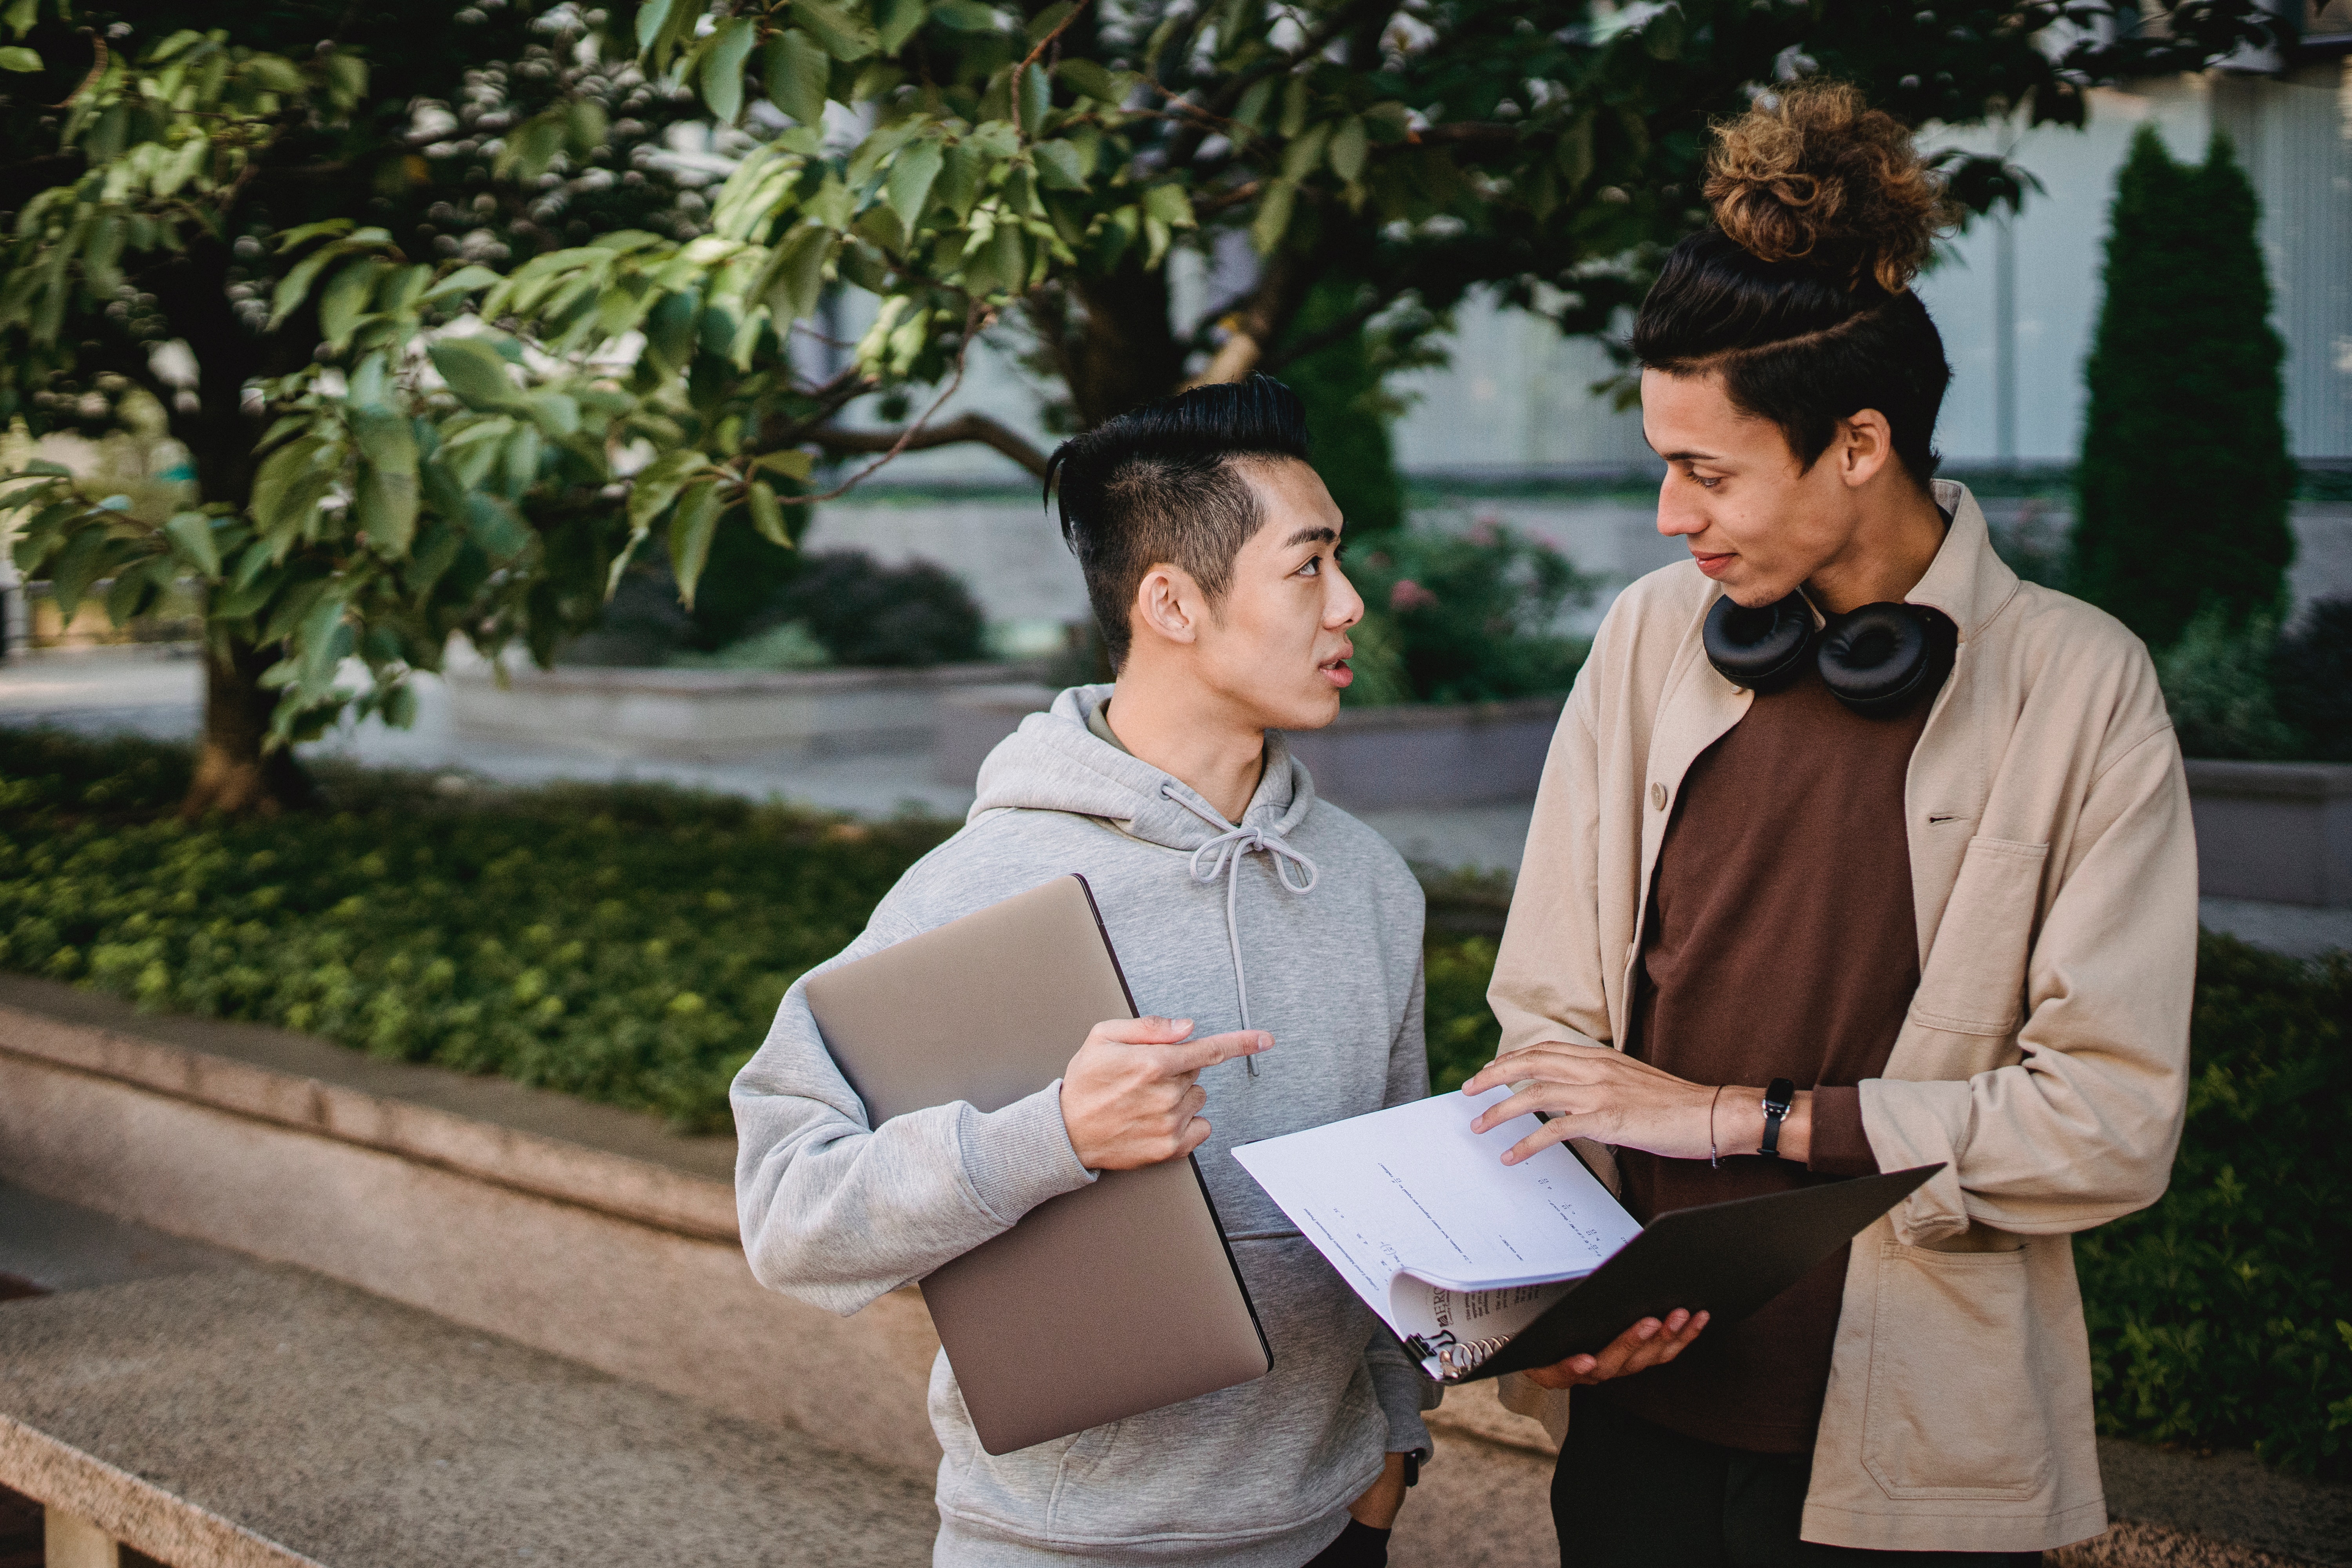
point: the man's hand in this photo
(1592, 1091)
(1378, 1507)
(1128, 1097)
(1646, 1344)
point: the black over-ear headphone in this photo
(1876, 659)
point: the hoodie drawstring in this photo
(1224, 853)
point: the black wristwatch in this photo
(1777, 1100)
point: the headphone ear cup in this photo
(1763, 649)
(1880, 658)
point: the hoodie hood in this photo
(1053, 763)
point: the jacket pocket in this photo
(1953, 1408)
(1974, 981)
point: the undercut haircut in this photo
(1800, 293)
(1162, 485)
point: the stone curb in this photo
(139, 1514)
(521, 1162)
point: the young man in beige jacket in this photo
(1853, 853)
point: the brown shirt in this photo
(1781, 943)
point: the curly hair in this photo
(1799, 295)
(1820, 177)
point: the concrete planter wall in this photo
(2275, 831)
(1369, 759)
(709, 715)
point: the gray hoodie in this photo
(1303, 922)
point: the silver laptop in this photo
(1102, 1303)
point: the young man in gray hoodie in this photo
(1274, 944)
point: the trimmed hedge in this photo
(2222, 1317)
(621, 943)
(629, 943)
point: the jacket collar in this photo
(1966, 580)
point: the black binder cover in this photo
(1725, 1258)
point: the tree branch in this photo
(963, 427)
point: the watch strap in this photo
(1778, 1098)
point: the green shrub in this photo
(1462, 1032)
(2219, 1317)
(868, 613)
(1466, 616)
(621, 943)
(2185, 482)
(2217, 683)
(2311, 672)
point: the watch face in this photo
(1779, 1096)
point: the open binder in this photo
(1481, 1268)
(1102, 1303)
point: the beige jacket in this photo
(2045, 1059)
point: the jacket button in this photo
(1658, 796)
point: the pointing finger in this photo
(1192, 1056)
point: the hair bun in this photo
(1817, 176)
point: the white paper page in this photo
(1413, 1188)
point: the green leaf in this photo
(786, 460)
(650, 17)
(190, 534)
(1041, 27)
(768, 515)
(1036, 97)
(19, 59)
(477, 373)
(1298, 159)
(1061, 166)
(722, 67)
(1294, 107)
(657, 484)
(318, 646)
(909, 189)
(1170, 204)
(345, 299)
(690, 533)
(895, 22)
(1273, 220)
(965, 17)
(800, 277)
(495, 526)
(134, 587)
(288, 488)
(77, 566)
(798, 73)
(295, 286)
(385, 505)
(586, 125)
(387, 492)
(463, 281)
(1350, 145)
(844, 36)
(1251, 111)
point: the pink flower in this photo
(1409, 596)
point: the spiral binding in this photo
(1459, 1359)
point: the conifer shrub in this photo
(2185, 482)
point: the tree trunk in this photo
(234, 773)
(1121, 351)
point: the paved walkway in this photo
(356, 1432)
